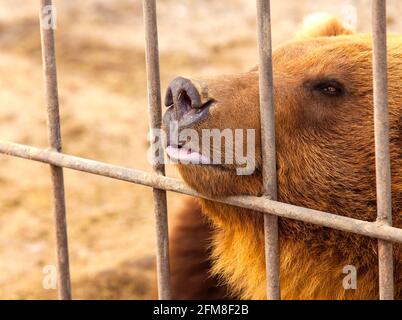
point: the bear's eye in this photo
(329, 88)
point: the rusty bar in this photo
(383, 166)
(260, 204)
(267, 112)
(155, 116)
(47, 16)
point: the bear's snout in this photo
(186, 101)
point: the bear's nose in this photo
(182, 95)
(187, 104)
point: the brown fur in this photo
(190, 262)
(325, 160)
(322, 25)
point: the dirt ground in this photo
(102, 85)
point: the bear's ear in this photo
(322, 25)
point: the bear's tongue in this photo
(186, 156)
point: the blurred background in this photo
(102, 86)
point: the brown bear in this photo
(190, 262)
(325, 161)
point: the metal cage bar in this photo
(53, 121)
(155, 116)
(259, 204)
(267, 115)
(382, 153)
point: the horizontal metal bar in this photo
(267, 112)
(261, 204)
(382, 154)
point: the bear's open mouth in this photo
(185, 155)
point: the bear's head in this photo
(324, 125)
(323, 97)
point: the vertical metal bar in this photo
(155, 114)
(381, 126)
(267, 112)
(53, 121)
